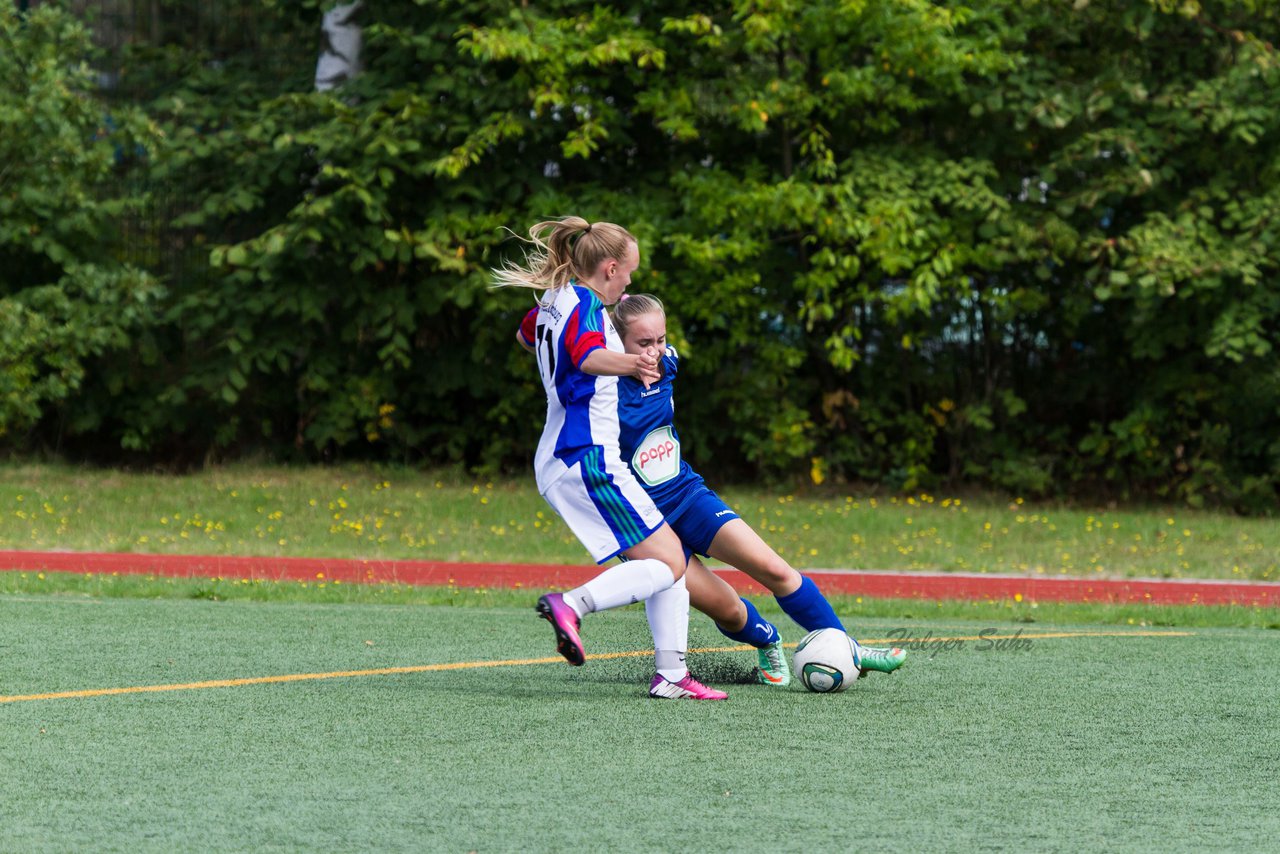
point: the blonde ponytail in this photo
(563, 249)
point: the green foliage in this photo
(64, 297)
(339, 305)
(1024, 244)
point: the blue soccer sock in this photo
(758, 631)
(808, 607)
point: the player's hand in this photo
(647, 369)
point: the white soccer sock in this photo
(668, 613)
(624, 584)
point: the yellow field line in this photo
(515, 662)
(267, 680)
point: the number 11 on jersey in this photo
(546, 340)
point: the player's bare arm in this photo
(607, 363)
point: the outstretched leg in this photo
(737, 544)
(738, 620)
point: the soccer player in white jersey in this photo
(581, 267)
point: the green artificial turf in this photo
(1128, 743)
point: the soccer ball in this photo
(827, 660)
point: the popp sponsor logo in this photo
(659, 452)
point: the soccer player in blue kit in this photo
(581, 267)
(705, 524)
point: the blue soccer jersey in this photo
(649, 442)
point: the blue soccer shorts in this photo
(699, 518)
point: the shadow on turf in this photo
(714, 669)
(717, 669)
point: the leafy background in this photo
(1015, 244)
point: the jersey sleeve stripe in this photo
(528, 326)
(579, 338)
(593, 312)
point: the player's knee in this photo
(778, 575)
(733, 616)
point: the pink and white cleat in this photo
(687, 688)
(564, 620)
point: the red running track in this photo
(897, 585)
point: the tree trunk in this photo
(340, 59)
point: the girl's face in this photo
(647, 334)
(612, 277)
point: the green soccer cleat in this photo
(882, 658)
(773, 669)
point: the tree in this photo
(1014, 243)
(64, 298)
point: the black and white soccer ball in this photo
(827, 661)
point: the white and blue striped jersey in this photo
(582, 409)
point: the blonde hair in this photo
(632, 306)
(564, 249)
